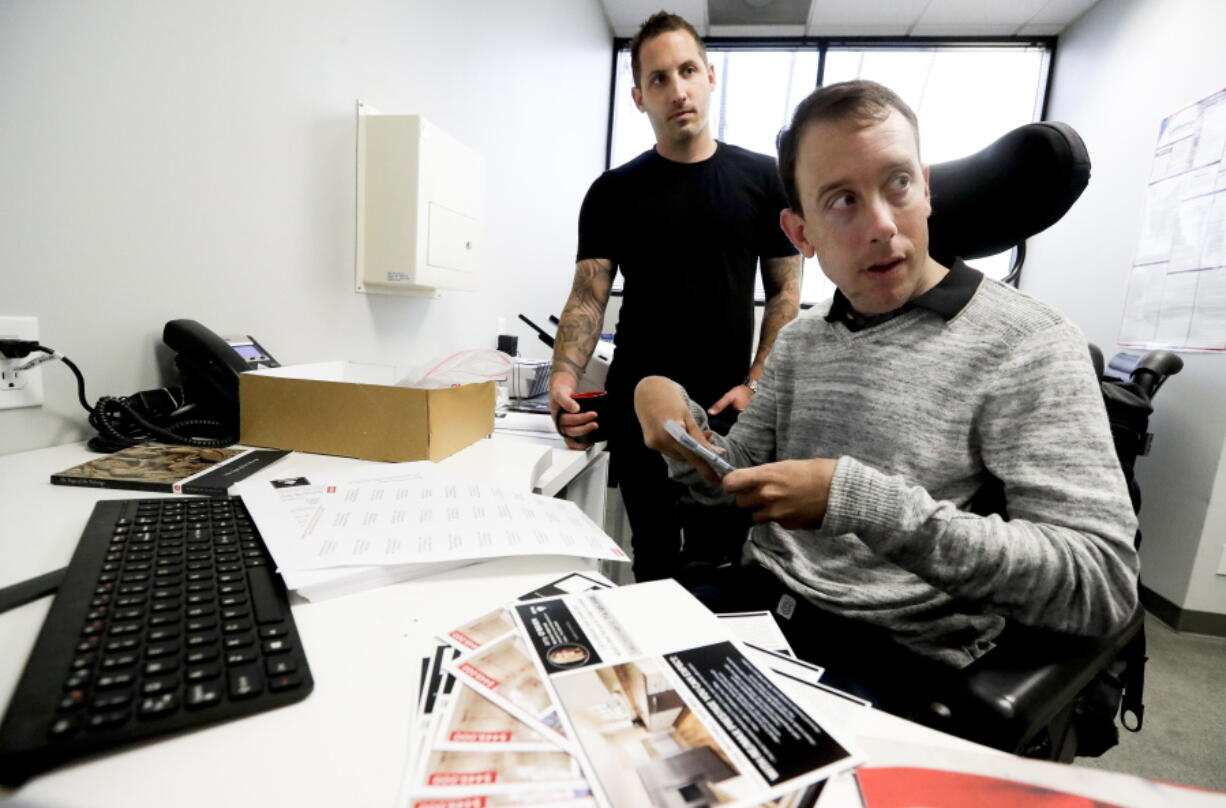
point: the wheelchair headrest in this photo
(998, 197)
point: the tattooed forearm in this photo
(781, 277)
(581, 321)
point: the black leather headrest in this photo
(996, 198)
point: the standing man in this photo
(686, 224)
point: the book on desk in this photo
(170, 468)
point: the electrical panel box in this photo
(421, 197)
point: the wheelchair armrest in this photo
(1007, 696)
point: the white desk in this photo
(345, 745)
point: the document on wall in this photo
(432, 520)
(662, 710)
(1176, 294)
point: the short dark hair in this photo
(661, 22)
(864, 101)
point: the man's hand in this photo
(738, 397)
(793, 493)
(658, 399)
(572, 425)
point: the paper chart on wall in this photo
(1176, 296)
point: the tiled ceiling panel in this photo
(857, 17)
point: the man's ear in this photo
(637, 95)
(711, 74)
(927, 184)
(794, 227)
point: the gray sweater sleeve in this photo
(1063, 558)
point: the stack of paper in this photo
(590, 699)
(345, 533)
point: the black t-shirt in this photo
(687, 238)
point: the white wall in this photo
(196, 159)
(1120, 70)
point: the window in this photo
(965, 94)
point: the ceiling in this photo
(840, 18)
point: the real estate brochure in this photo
(502, 671)
(673, 711)
(465, 751)
(478, 631)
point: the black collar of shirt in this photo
(947, 299)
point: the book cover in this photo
(169, 468)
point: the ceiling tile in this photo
(625, 16)
(841, 18)
(865, 13)
(757, 12)
(859, 29)
(751, 31)
(957, 13)
(965, 29)
(1061, 12)
(1046, 29)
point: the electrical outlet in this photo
(24, 389)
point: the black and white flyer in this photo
(664, 707)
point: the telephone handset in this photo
(201, 411)
(209, 364)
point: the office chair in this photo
(1038, 693)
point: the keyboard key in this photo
(110, 700)
(280, 666)
(72, 700)
(286, 682)
(238, 641)
(109, 680)
(161, 666)
(65, 727)
(245, 683)
(118, 662)
(199, 655)
(264, 596)
(234, 658)
(276, 647)
(203, 694)
(160, 705)
(161, 649)
(202, 639)
(203, 673)
(106, 719)
(162, 684)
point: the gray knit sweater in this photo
(919, 412)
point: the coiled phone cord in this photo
(107, 412)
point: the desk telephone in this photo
(201, 411)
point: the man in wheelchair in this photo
(927, 459)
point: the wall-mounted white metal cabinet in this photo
(421, 195)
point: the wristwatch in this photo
(751, 383)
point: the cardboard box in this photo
(356, 410)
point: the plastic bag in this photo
(463, 367)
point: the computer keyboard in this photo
(170, 616)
